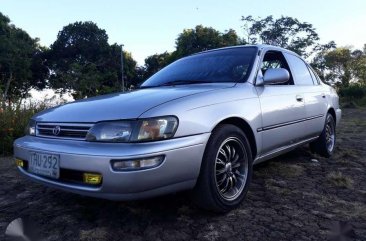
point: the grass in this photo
(275, 186)
(339, 180)
(342, 207)
(286, 170)
(14, 119)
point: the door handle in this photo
(323, 95)
(299, 98)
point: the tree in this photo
(81, 61)
(190, 41)
(76, 59)
(21, 65)
(286, 32)
(318, 62)
(156, 62)
(338, 62)
(114, 66)
(359, 65)
(203, 38)
(342, 65)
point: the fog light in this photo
(137, 164)
(92, 178)
(19, 163)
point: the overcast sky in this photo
(149, 27)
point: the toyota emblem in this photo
(56, 131)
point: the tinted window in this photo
(274, 60)
(226, 65)
(299, 70)
(315, 81)
(314, 75)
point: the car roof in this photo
(259, 46)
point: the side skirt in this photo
(282, 150)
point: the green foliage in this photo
(82, 61)
(191, 41)
(21, 62)
(359, 65)
(203, 38)
(13, 121)
(286, 32)
(353, 92)
(341, 65)
(353, 95)
(156, 62)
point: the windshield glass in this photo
(226, 65)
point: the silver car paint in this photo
(179, 170)
(128, 105)
(199, 108)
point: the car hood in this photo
(128, 105)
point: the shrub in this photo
(14, 119)
(353, 95)
(353, 92)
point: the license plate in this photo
(44, 164)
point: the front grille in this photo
(76, 131)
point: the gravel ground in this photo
(292, 197)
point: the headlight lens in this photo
(156, 129)
(112, 131)
(30, 130)
(134, 131)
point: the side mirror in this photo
(276, 76)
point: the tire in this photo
(219, 187)
(325, 144)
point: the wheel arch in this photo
(246, 128)
(332, 112)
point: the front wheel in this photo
(324, 145)
(226, 170)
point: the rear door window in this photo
(299, 70)
(315, 82)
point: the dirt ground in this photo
(292, 197)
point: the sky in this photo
(149, 27)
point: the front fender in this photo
(203, 112)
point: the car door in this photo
(282, 107)
(313, 93)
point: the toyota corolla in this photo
(200, 123)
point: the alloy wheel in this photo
(231, 168)
(330, 135)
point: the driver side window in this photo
(273, 60)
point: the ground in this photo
(297, 196)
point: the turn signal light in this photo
(19, 163)
(137, 164)
(92, 178)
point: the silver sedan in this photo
(200, 123)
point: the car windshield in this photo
(225, 65)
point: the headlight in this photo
(156, 129)
(113, 131)
(31, 128)
(134, 131)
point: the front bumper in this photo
(179, 170)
